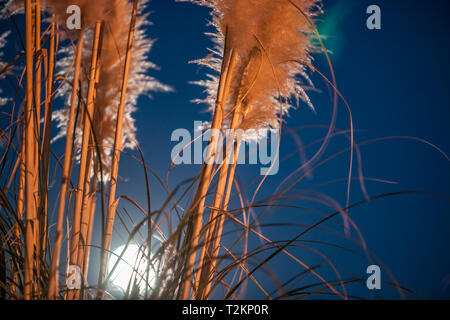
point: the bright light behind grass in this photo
(131, 267)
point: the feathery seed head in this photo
(273, 40)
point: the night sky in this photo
(395, 81)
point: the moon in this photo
(131, 267)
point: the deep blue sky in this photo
(396, 83)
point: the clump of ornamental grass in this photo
(260, 64)
(99, 72)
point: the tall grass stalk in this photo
(20, 206)
(85, 212)
(221, 199)
(197, 210)
(112, 202)
(30, 159)
(226, 177)
(46, 140)
(91, 212)
(88, 116)
(206, 254)
(55, 262)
